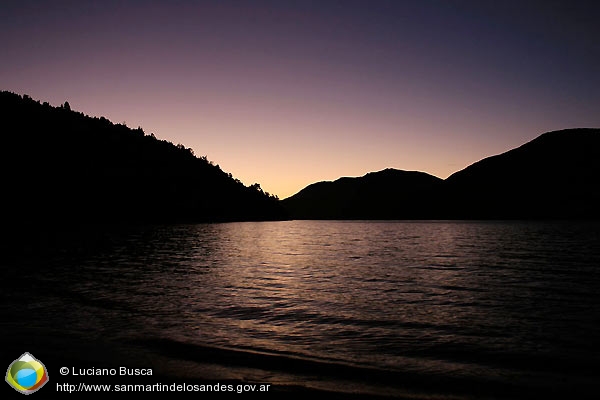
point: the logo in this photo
(27, 374)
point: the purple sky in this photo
(288, 93)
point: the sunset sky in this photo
(288, 93)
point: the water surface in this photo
(483, 309)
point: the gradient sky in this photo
(288, 93)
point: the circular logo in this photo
(26, 374)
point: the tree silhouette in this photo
(88, 169)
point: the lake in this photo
(420, 309)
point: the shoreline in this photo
(186, 364)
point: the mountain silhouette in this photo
(61, 166)
(554, 176)
(387, 194)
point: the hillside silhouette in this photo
(554, 176)
(62, 166)
(387, 194)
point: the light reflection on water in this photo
(462, 298)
